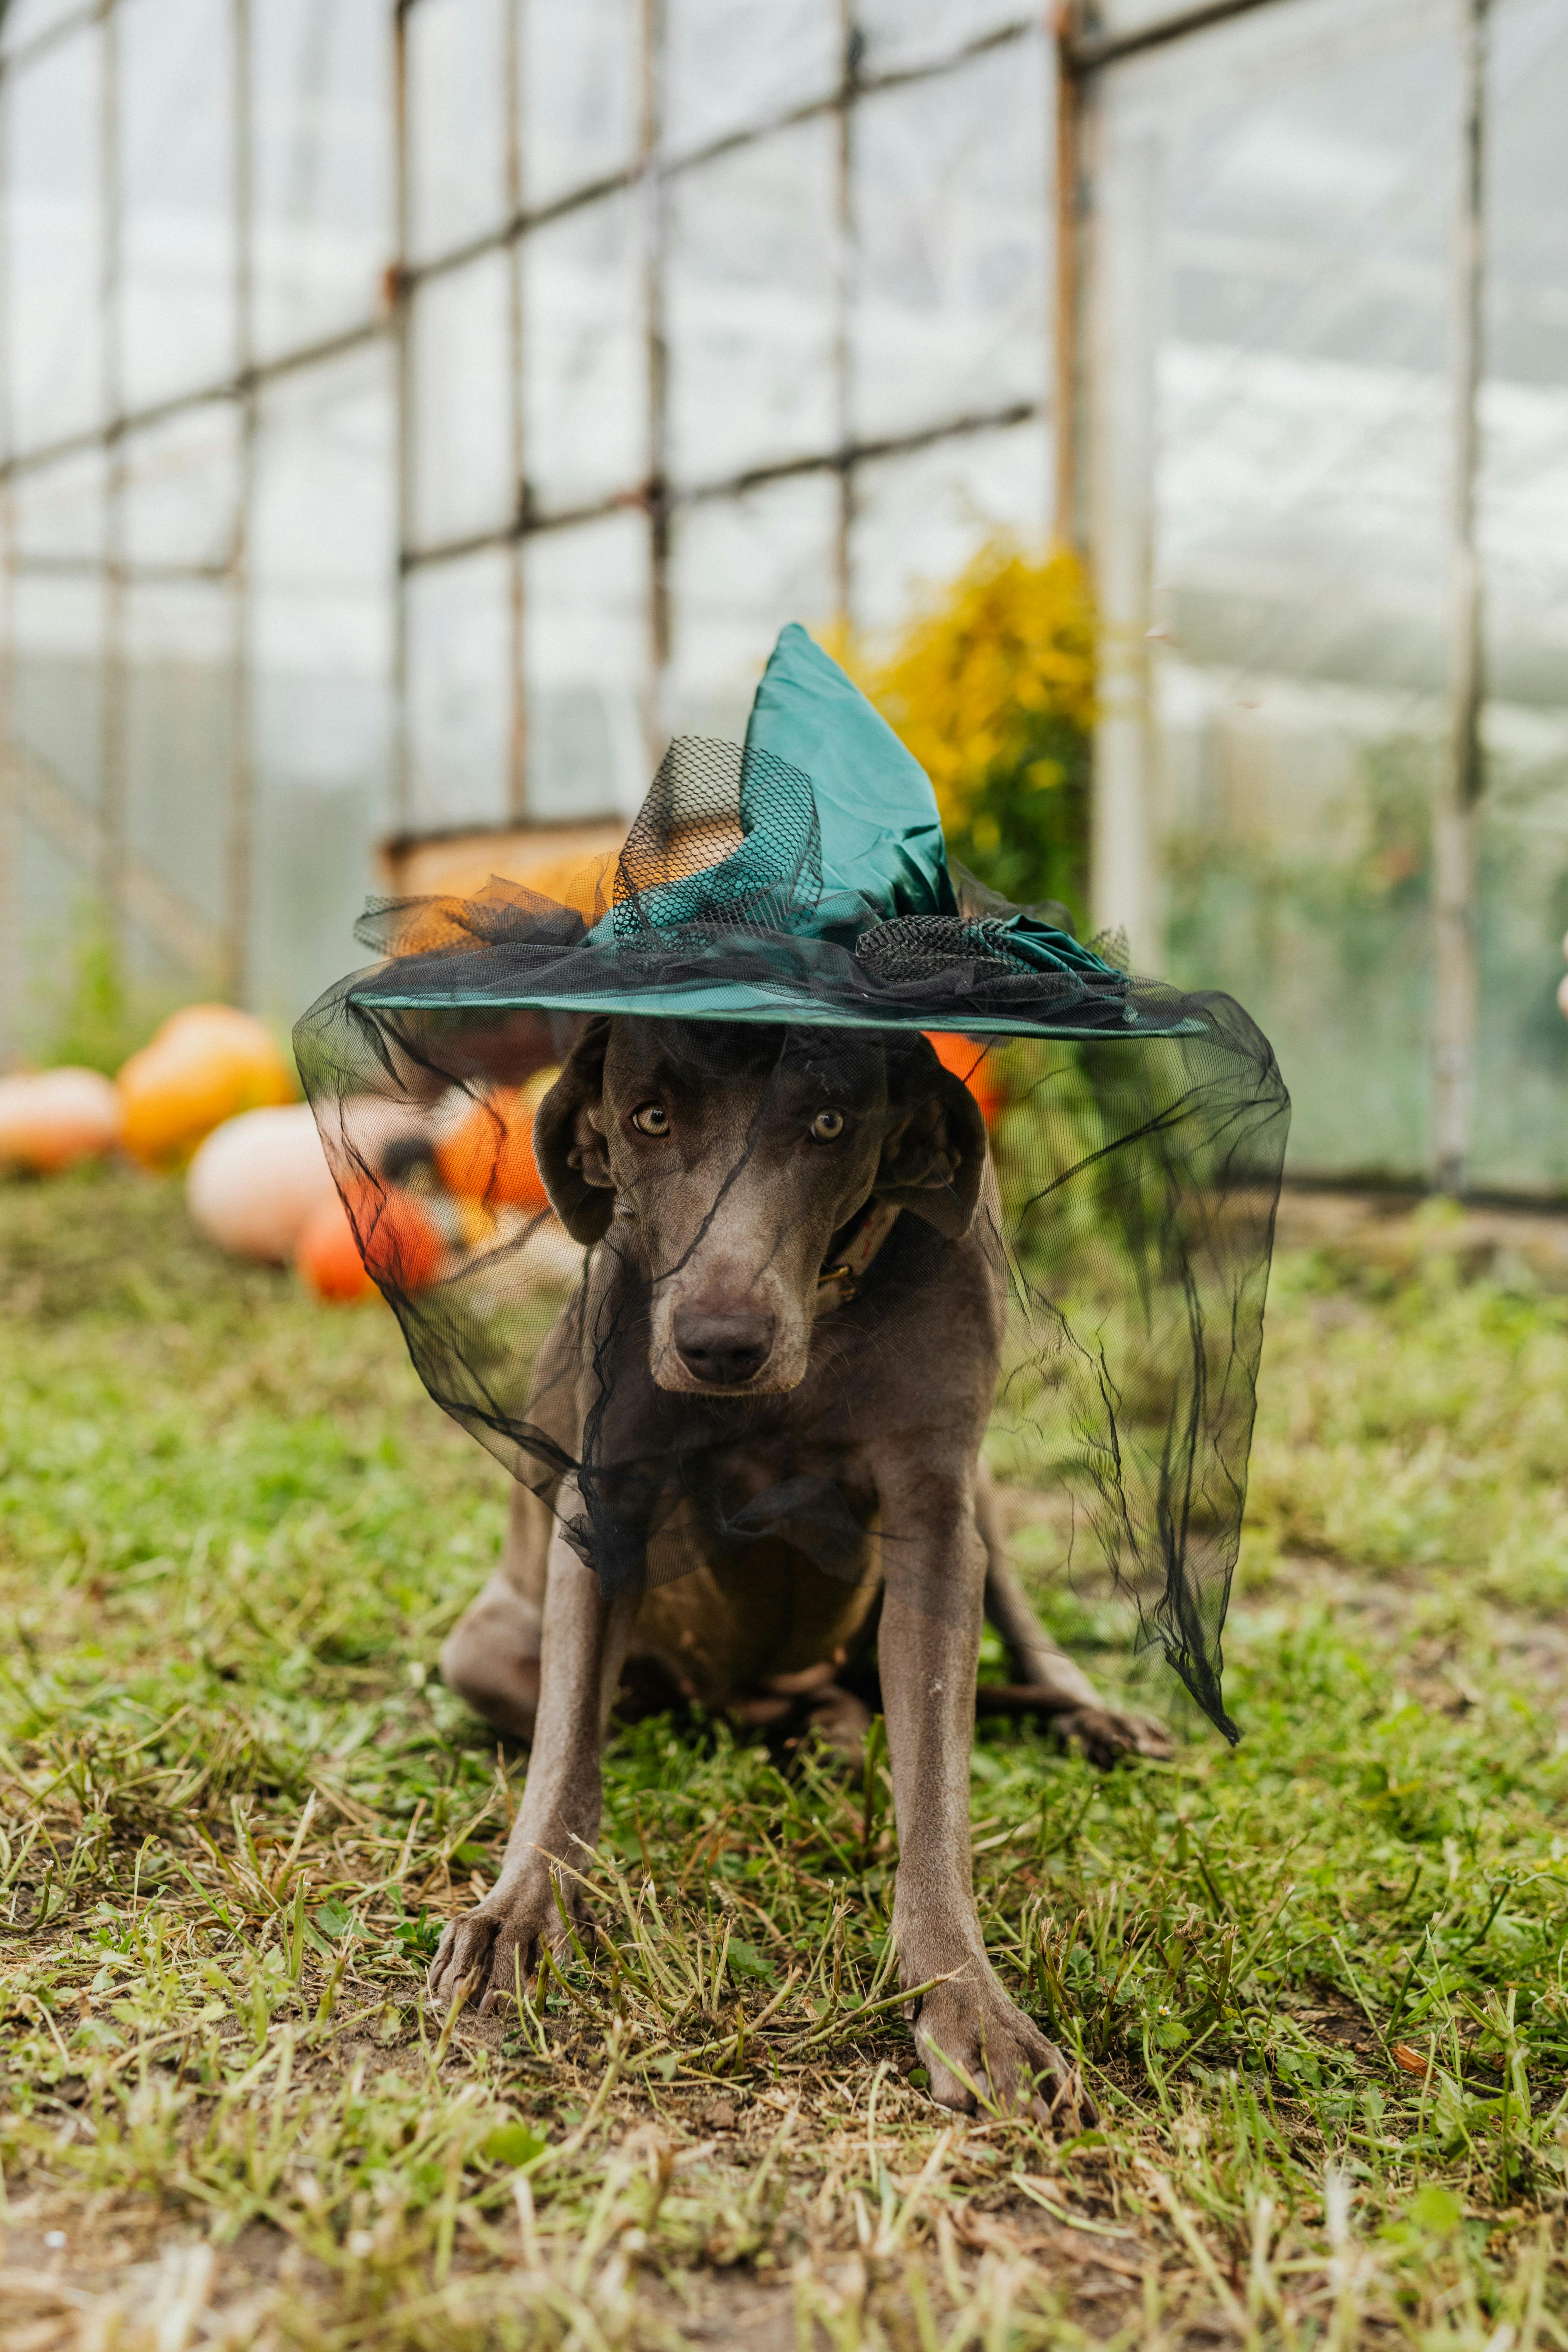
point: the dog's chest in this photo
(730, 1626)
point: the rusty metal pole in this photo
(1066, 512)
(113, 714)
(655, 235)
(1117, 429)
(1455, 1021)
(396, 293)
(239, 977)
(849, 43)
(517, 765)
(11, 961)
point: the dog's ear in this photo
(934, 1158)
(569, 1147)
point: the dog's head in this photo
(736, 1152)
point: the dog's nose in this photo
(722, 1351)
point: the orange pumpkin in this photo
(205, 1064)
(401, 1247)
(973, 1063)
(488, 1155)
(51, 1119)
(327, 1257)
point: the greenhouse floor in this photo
(1316, 1983)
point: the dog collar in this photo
(869, 1229)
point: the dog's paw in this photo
(1105, 1734)
(840, 1722)
(494, 1949)
(972, 2039)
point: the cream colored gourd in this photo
(49, 1119)
(258, 1180)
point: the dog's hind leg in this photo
(490, 1657)
(1048, 1683)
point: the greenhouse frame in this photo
(411, 414)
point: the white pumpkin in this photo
(51, 1119)
(257, 1180)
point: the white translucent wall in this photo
(199, 422)
(1292, 236)
(675, 327)
(349, 496)
(1522, 1066)
(346, 495)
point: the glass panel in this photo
(177, 315)
(179, 740)
(587, 640)
(459, 690)
(585, 417)
(323, 556)
(50, 860)
(1522, 1138)
(182, 489)
(456, 85)
(1299, 179)
(463, 479)
(728, 63)
(57, 709)
(58, 513)
(741, 568)
(750, 306)
(51, 891)
(919, 518)
(913, 32)
(25, 20)
(951, 198)
(581, 96)
(321, 83)
(54, 259)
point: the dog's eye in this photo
(651, 1119)
(827, 1127)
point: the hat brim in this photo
(767, 979)
(721, 1004)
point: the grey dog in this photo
(720, 1177)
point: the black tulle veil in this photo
(798, 884)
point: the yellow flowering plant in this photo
(992, 687)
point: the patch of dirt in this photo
(1390, 1232)
(1532, 1650)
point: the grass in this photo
(1318, 1984)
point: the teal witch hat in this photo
(800, 877)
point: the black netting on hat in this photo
(921, 947)
(721, 1062)
(726, 837)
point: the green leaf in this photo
(511, 2145)
(1437, 2211)
(418, 1938)
(745, 1960)
(333, 1920)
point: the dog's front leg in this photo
(583, 1649)
(967, 2030)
